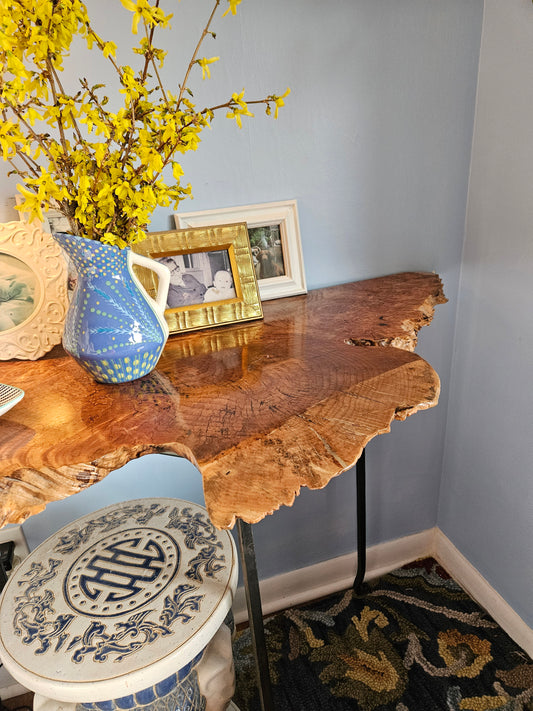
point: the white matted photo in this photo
(274, 234)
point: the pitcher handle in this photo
(162, 272)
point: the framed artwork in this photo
(212, 276)
(33, 291)
(274, 234)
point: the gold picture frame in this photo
(213, 281)
(33, 286)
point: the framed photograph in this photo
(212, 280)
(274, 238)
(33, 291)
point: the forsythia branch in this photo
(103, 169)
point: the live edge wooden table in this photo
(261, 408)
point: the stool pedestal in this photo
(124, 609)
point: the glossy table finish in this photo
(260, 408)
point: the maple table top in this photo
(261, 408)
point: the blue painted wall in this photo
(487, 487)
(374, 143)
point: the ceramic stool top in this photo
(118, 600)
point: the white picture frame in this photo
(55, 221)
(33, 276)
(282, 219)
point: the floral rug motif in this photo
(414, 641)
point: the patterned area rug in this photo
(415, 641)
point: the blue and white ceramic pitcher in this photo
(113, 328)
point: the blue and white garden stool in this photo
(125, 609)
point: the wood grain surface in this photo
(261, 408)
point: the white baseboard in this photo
(315, 581)
(477, 587)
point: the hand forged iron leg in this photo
(255, 616)
(253, 602)
(360, 474)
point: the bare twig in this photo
(204, 34)
(229, 104)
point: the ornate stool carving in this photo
(125, 608)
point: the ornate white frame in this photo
(284, 214)
(43, 329)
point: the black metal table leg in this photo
(255, 615)
(253, 603)
(360, 474)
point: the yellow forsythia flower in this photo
(204, 63)
(104, 169)
(232, 7)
